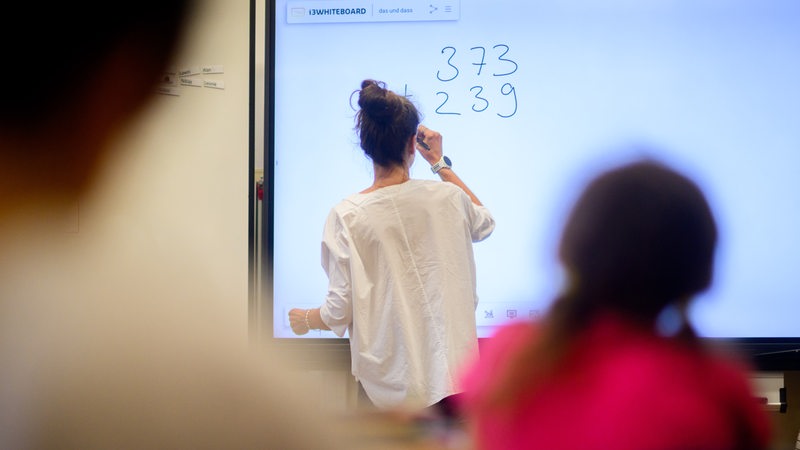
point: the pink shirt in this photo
(621, 388)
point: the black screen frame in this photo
(310, 352)
(764, 353)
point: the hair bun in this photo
(377, 102)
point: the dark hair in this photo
(54, 48)
(384, 123)
(640, 238)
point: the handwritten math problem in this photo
(488, 71)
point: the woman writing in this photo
(400, 262)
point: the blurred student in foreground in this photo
(615, 364)
(98, 351)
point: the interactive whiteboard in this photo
(533, 98)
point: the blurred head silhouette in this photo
(97, 347)
(75, 76)
(639, 241)
(640, 237)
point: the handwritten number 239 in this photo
(480, 103)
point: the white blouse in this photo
(402, 283)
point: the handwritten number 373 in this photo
(452, 71)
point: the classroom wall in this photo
(178, 184)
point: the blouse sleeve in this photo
(481, 221)
(337, 310)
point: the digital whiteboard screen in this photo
(533, 98)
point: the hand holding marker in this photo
(421, 142)
(432, 149)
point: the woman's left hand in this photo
(297, 320)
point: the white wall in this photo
(178, 186)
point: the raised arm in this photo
(429, 146)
